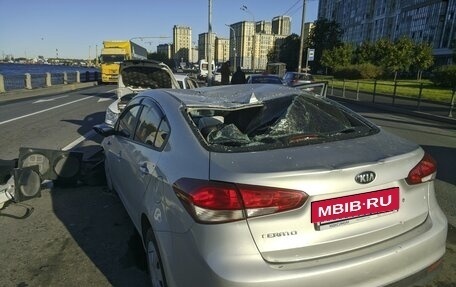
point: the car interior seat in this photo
(208, 124)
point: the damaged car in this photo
(269, 185)
(136, 76)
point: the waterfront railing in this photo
(33, 81)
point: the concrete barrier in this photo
(30, 82)
(47, 91)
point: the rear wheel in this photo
(154, 263)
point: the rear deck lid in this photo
(357, 195)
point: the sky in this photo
(77, 29)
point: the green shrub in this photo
(358, 72)
(347, 72)
(444, 76)
(369, 71)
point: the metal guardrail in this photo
(394, 98)
(32, 81)
(411, 104)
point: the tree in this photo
(365, 53)
(445, 76)
(394, 57)
(422, 58)
(325, 35)
(403, 52)
(338, 56)
(382, 52)
(273, 55)
(289, 52)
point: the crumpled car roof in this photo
(234, 96)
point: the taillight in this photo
(218, 202)
(423, 171)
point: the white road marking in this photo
(45, 110)
(88, 135)
(49, 100)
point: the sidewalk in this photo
(48, 91)
(424, 109)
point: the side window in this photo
(127, 121)
(163, 133)
(150, 128)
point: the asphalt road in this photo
(82, 236)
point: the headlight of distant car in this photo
(111, 117)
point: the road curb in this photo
(48, 91)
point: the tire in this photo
(154, 262)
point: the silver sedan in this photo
(268, 185)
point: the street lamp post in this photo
(301, 46)
(88, 60)
(209, 40)
(96, 55)
(245, 9)
(234, 47)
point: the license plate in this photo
(353, 206)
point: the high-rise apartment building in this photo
(194, 52)
(245, 41)
(203, 40)
(263, 27)
(281, 25)
(182, 43)
(222, 50)
(166, 49)
(307, 29)
(254, 41)
(264, 43)
(427, 21)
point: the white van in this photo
(203, 67)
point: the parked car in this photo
(294, 78)
(186, 82)
(269, 185)
(264, 79)
(136, 76)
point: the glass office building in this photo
(428, 21)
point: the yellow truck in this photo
(113, 53)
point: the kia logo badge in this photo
(365, 177)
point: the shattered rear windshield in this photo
(277, 123)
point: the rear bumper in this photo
(217, 262)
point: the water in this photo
(7, 69)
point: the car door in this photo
(141, 158)
(115, 150)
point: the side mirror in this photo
(104, 130)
